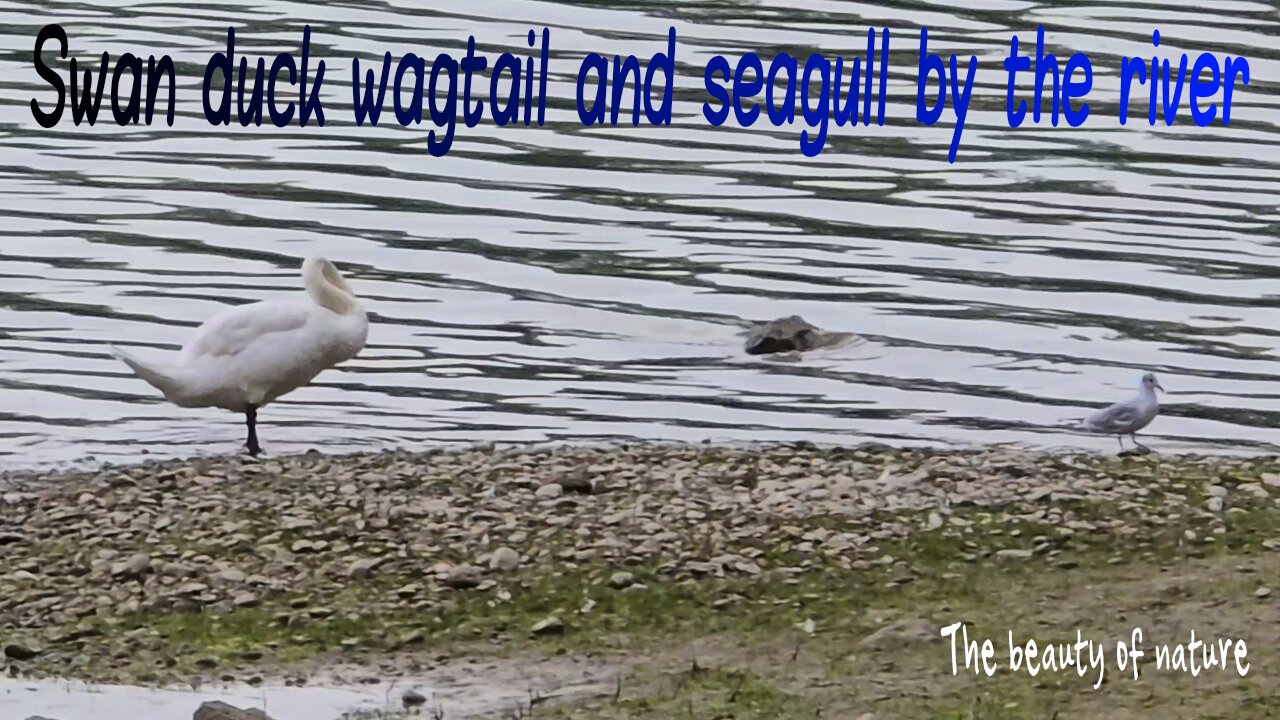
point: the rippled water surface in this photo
(591, 283)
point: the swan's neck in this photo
(328, 289)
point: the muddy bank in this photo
(265, 572)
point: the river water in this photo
(568, 283)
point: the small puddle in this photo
(467, 691)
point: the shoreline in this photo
(235, 570)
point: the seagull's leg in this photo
(1120, 439)
(1134, 438)
(251, 419)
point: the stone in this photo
(21, 653)
(911, 630)
(577, 484)
(363, 568)
(550, 490)
(549, 626)
(504, 559)
(135, 567)
(620, 580)
(223, 711)
(413, 698)
(230, 576)
(1262, 593)
(463, 577)
(1014, 554)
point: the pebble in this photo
(192, 536)
(362, 568)
(463, 577)
(22, 653)
(413, 698)
(1014, 554)
(135, 567)
(504, 559)
(550, 490)
(549, 626)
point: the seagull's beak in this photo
(1161, 388)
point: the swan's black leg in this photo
(251, 419)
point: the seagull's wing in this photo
(1118, 418)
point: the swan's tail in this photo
(159, 375)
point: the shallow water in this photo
(475, 690)
(563, 282)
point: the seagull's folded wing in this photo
(1115, 419)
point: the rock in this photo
(135, 567)
(1216, 491)
(935, 521)
(223, 711)
(463, 577)
(1014, 554)
(790, 334)
(363, 568)
(1262, 593)
(20, 653)
(550, 626)
(1215, 504)
(550, 490)
(1254, 489)
(912, 630)
(504, 559)
(230, 576)
(578, 484)
(1271, 480)
(413, 698)
(620, 580)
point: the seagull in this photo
(246, 356)
(1130, 416)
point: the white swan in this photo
(246, 356)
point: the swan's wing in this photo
(1118, 418)
(230, 332)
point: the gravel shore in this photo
(231, 568)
